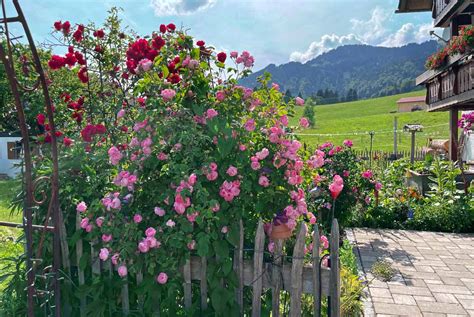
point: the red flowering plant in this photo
(164, 154)
(466, 121)
(457, 45)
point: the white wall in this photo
(6, 165)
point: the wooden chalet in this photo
(450, 87)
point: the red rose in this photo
(221, 57)
(99, 33)
(100, 129)
(70, 59)
(77, 35)
(47, 138)
(82, 74)
(67, 142)
(200, 43)
(176, 60)
(58, 25)
(171, 27)
(40, 118)
(80, 58)
(158, 42)
(163, 28)
(58, 133)
(66, 26)
(56, 62)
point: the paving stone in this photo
(434, 315)
(424, 298)
(382, 299)
(415, 282)
(453, 289)
(467, 301)
(445, 298)
(380, 292)
(403, 299)
(400, 310)
(410, 290)
(433, 281)
(452, 281)
(445, 308)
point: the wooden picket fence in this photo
(296, 278)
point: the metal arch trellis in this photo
(6, 56)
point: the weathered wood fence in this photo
(294, 277)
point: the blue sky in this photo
(274, 31)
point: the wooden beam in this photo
(453, 134)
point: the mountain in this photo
(371, 71)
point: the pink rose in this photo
(121, 113)
(81, 207)
(114, 155)
(348, 143)
(170, 223)
(249, 125)
(304, 122)
(162, 278)
(220, 95)
(192, 179)
(150, 232)
(224, 230)
(115, 258)
(99, 221)
(106, 237)
(137, 218)
(104, 254)
(159, 211)
(122, 271)
(232, 171)
(143, 247)
(336, 186)
(263, 181)
(211, 113)
(299, 101)
(168, 94)
(84, 223)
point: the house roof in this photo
(412, 99)
(414, 5)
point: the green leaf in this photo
(221, 248)
(84, 261)
(165, 71)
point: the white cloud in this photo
(371, 32)
(327, 43)
(180, 7)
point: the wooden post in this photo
(187, 285)
(335, 282)
(258, 270)
(296, 288)
(125, 300)
(395, 128)
(80, 272)
(316, 273)
(453, 134)
(412, 154)
(239, 263)
(203, 283)
(276, 276)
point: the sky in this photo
(273, 31)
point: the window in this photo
(13, 150)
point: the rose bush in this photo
(162, 154)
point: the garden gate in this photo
(53, 219)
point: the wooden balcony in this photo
(451, 87)
(445, 10)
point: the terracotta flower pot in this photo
(280, 232)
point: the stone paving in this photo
(435, 272)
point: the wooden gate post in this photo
(335, 282)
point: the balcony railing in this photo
(444, 10)
(440, 6)
(453, 87)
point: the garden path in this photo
(434, 272)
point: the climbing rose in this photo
(122, 271)
(162, 278)
(81, 207)
(299, 101)
(211, 113)
(232, 171)
(40, 118)
(56, 62)
(150, 232)
(168, 94)
(163, 28)
(137, 218)
(67, 141)
(263, 181)
(250, 125)
(104, 254)
(170, 223)
(221, 57)
(348, 143)
(114, 155)
(367, 174)
(171, 27)
(304, 122)
(200, 43)
(159, 211)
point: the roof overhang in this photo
(405, 6)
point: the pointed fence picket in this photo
(294, 278)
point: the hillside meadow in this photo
(354, 120)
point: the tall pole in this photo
(412, 155)
(395, 145)
(371, 133)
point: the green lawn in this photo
(8, 236)
(353, 120)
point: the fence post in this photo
(187, 285)
(239, 267)
(203, 283)
(335, 282)
(80, 272)
(258, 270)
(297, 273)
(316, 273)
(276, 276)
